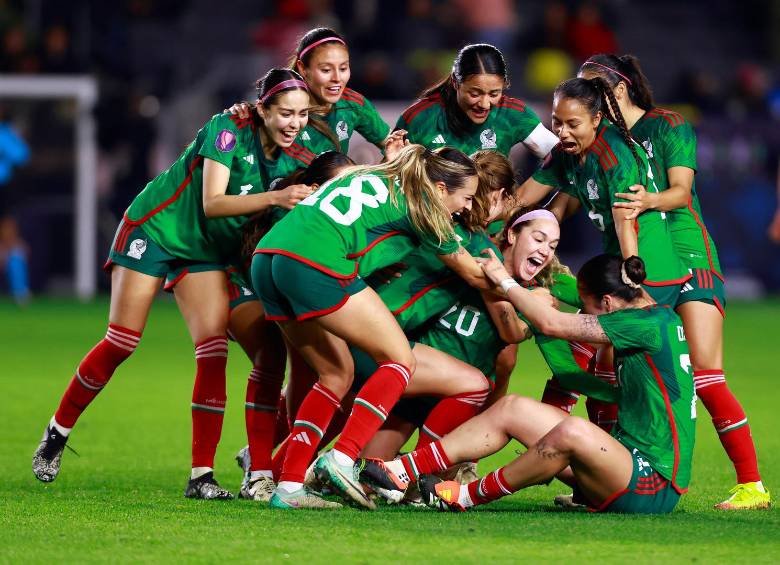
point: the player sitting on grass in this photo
(643, 466)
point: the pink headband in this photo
(621, 75)
(281, 86)
(539, 214)
(320, 42)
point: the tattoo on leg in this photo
(547, 451)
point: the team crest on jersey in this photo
(648, 145)
(593, 189)
(226, 141)
(488, 139)
(137, 248)
(342, 130)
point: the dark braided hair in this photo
(596, 95)
(626, 69)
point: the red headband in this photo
(321, 41)
(624, 77)
(281, 86)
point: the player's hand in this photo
(774, 228)
(394, 143)
(543, 295)
(290, 196)
(493, 267)
(639, 200)
(387, 274)
(241, 109)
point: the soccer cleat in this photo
(378, 475)
(568, 502)
(243, 459)
(345, 479)
(47, 458)
(259, 490)
(746, 496)
(207, 488)
(301, 498)
(440, 494)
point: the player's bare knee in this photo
(570, 432)
(337, 383)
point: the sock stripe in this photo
(699, 385)
(119, 344)
(327, 394)
(576, 346)
(260, 407)
(412, 465)
(127, 339)
(437, 456)
(497, 474)
(221, 345)
(368, 406)
(205, 408)
(403, 371)
(427, 431)
(86, 385)
(733, 427)
(310, 426)
(126, 331)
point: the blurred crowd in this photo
(164, 66)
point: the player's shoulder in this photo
(509, 105)
(299, 153)
(423, 107)
(665, 119)
(610, 147)
(556, 155)
(232, 121)
(352, 98)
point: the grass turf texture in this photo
(121, 500)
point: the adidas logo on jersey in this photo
(686, 287)
(438, 139)
(305, 136)
(302, 437)
(249, 159)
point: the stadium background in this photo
(162, 68)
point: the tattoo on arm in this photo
(589, 329)
(461, 251)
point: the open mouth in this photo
(533, 264)
(289, 136)
(333, 91)
(479, 114)
(569, 146)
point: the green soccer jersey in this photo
(336, 225)
(610, 167)
(170, 207)
(353, 113)
(670, 141)
(509, 122)
(426, 287)
(657, 403)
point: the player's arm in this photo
(676, 196)
(510, 327)
(531, 192)
(466, 267)
(218, 204)
(564, 206)
(626, 232)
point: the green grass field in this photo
(121, 500)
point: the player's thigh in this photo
(365, 322)
(260, 339)
(703, 324)
(525, 419)
(442, 374)
(132, 293)
(327, 354)
(202, 298)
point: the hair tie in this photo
(539, 214)
(320, 42)
(621, 75)
(625, 278)
(291, 83)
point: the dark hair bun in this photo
(635, 269)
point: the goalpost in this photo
(84, 90)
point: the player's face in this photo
(573, 124)
(286, 116)
(328, 72)
(460, 200)
(478, 94)
(533, 247)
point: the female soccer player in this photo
(670, 143)
(172, 225)
(644, 466)
(306, 271)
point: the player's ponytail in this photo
(474, 59)
(495, 173)
(625, 69)
(611, 275)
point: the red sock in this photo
(603, 414)
(262, 399)
(556, 395)
(277, 462)
(373, 402)
(283, 425)
(730, 422)
(94, 371)
(583, 354)
(208, 399)
(429, 459)
(450, 413)
(489, 488)
(312, 419)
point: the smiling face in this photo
(533, 247)
(459, 200)
(478, 94)
(285, 116)
(327, 72)
(573, 124)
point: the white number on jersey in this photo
(461, 321)
(597, 219)
(245, 188)
(357, 199)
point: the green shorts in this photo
(666, 295)
(646, 493)
(135, 250)
(239, 289)
(705, 286)
(292, 290)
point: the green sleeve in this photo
(371, 125)
(220, 140)
(558, 356)
(431, 244)
(679, 146)
(564, 288)
(551, 173)
(524, 124)
(632, 329)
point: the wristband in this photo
(506, 284)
